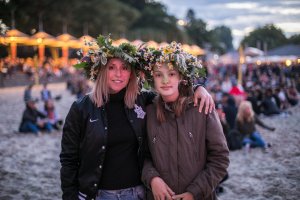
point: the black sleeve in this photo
(41, 115)
(29, 116)
(69, 156)
(261, 123)
(148, 96)
(195, 87)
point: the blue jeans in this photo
(255, 140)
(134, 193)
(29, 127)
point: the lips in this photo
(166, 87)
(117, 81)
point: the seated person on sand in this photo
(245, 124)
(33, 120)
(52, 115)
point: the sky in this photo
(242, 16)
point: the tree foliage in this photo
(269, 34)
(295, 39)
(219, 39)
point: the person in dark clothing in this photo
(252, 97)
(33, 120)
(104, 132)
(230, 111)
(28, 93)
(268, 105)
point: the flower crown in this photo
(173, 54)
(99, 52)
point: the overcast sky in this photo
(242, 16)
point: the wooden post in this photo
(241, 63)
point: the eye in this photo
(172, 74)
(125, 68)
(157, 75)
(110, 67)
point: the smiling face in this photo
(166, 82)
(118, 75)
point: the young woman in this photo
(189, 155)
(104, 132)
(245, 124)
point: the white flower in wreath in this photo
(139, 111)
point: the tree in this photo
(295, 39)
(269, 34)
(155, 23)
(224, 37)
(196, 29)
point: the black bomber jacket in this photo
(84, 142)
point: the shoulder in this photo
(83, 102)
(194, 110)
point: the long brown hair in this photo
(100, 92)
(178, 106)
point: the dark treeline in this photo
(133, 19)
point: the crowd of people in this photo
(47, 71)
(265, 90)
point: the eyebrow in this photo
(113, 64)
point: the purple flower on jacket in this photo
(139, 111)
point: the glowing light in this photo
(258, 62)
(39, 40)
(288, 63)
(298, 60)
(181, 22)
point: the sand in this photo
(29, 164)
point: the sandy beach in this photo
(29, 164)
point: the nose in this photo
(118, 72)
(165, 79)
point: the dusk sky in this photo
(241, 16)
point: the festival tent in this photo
(152, 44)
(137, 43)
(197, 51)
(14, 37)
(252, 52)
(286, 50)
(231, 57)
(281, 54)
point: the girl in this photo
(189, 155)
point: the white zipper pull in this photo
(191, 135)
(154, 140)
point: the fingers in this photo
(202, 101)
(195, 101)
(212, 105)
(177, 197)
(170, 191)
(207, 105)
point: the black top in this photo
(120, 168)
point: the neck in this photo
(170, 98)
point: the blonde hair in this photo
(100, 92)
(241, 117)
